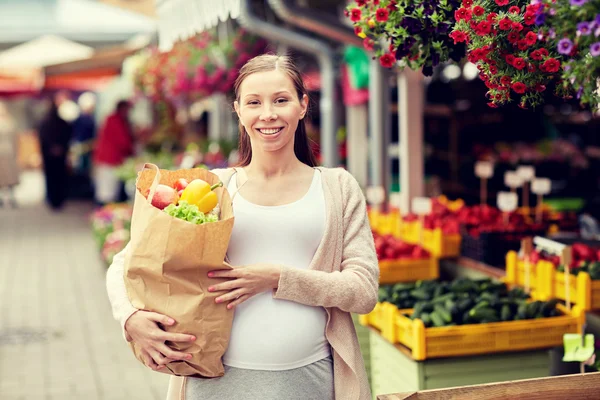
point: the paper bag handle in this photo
(155, 181)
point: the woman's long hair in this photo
(269, 62)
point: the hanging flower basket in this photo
(574, 26)
(517, 61)
(407, 33)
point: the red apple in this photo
(180, 184)
(164, 196)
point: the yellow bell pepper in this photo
(200, 194)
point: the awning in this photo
(42, 51)
(182, 19)
(145, 7)
(20, 81)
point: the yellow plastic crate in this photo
(440, 244)
(392, 271)
(410, 231)
(465, 340)
(385, 223)
(374, 318)
(516, 272)
(583, 291)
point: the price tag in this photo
(484, 169)
(375, 195)
(526, 173)
(512, 179)
(541, 186)
(507, 201)
(395, 200)
(421, 205)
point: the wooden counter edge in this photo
(572, 387)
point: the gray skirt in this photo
(311, 382)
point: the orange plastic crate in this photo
(392, 271)
(583, 291)
(466, 340)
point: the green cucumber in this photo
(436, 319)
(442, 312)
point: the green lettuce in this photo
(189, 213)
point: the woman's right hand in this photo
(142, 327)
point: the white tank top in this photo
(267, 333)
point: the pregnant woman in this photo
(303, 257)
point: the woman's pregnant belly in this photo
(271, 334)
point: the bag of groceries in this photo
(180, 229)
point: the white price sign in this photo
(541, 186)
(484, 169)
(512, 179)
(375, 195)
(395, 200)
(507, 201)
(526, 173)
(421, 205)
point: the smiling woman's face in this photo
(269, 110)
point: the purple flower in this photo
(578, 2)
(579, 92)
(584, 28)
(595, 49)
(565, 46)
(540, 19)
(597, 19)
(551, 33)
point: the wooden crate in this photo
(393, 370)
(572, 387)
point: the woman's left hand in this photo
(245, 282)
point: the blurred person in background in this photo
(9, 169)
(114, 145)
(84, 133)
(55, 135)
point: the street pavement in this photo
(58, 340)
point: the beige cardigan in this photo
(343, 277)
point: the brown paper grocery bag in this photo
(166, 270)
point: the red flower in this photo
(536, 55)
(387, 60)
(502, 2)
(493, 70)
(505, 80)
(491, 18)
(522, 45)
(519, 87)
(498, 96)
(519, 63)
(505, 24)
(531, 68)
(514, 10)
(533, 8)
(459, 36)
(361, 3)
(478, 11)
(510, 59)
(529, 18)
(376, 2)
(523, 105)
(543, 52)
(463, 13)
(391, 48)
(531, 38)
(357, 30)
(517, 26)
(483, 28)
(382, 14)
(492, 104)
(467, 3)
(539, 87)
(513, 37)
(552, 65)
(368, 44)
(392, 5)
(355, 15)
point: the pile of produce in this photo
(584, 259)
(389, 247)
(465, 301)
(194, 201)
